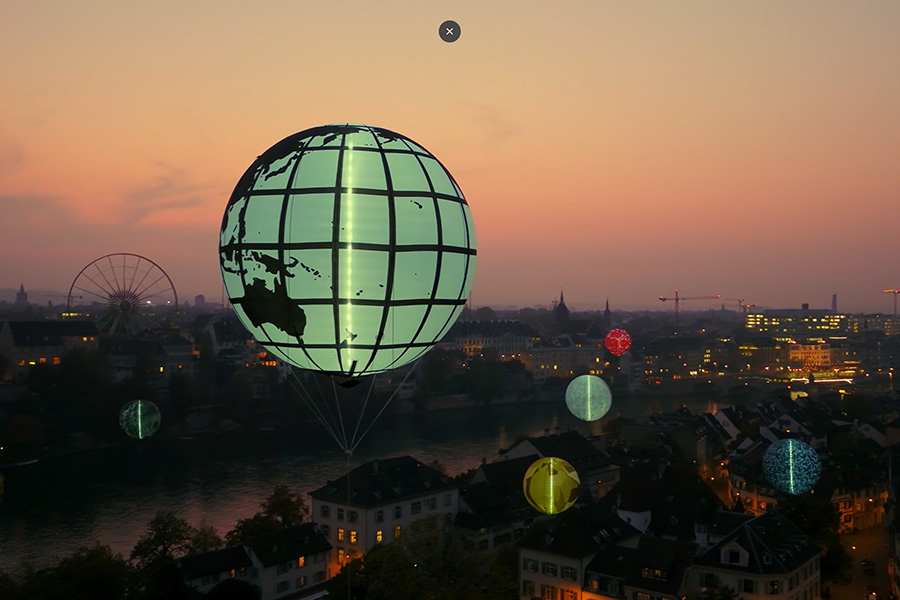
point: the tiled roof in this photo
(676, 501)
(578, 532)
(671, 558)
(774, 545)
(288, 544)
(570, 446)
(384, 481)
(217, 561)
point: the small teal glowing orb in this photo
(139, 419)
(792, 466)
(588, 397)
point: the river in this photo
(49, 510)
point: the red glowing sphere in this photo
(618, 342)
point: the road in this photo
(870, 544)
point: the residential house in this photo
(376, 502)
(660, 569)
(30, 343)
(767, 557)
(289, 563)
(555, 555)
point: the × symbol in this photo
(449, 31)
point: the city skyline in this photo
(616, 152)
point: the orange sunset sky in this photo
(617, 149)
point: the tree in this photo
(252, 527)
(166, 539)
(234, 589)
(720, 592)
(283, 508)
(285, 505)
(205, 539)
(429, 561)
(89, 573)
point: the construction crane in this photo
(744, 308)
(894, 292)
(678, 299)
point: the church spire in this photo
(21, 296)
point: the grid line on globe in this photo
(792, 466)
(347, 249)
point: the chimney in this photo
(834, 303)
(804, 306)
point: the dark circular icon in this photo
(449, 31)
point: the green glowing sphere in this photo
(588, 397)
(139, 419)
(347, 249)
(551, 485)
(792, 466)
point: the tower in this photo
(607, 315)
(561, 314)
(21, 296)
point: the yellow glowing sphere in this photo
(551, 485)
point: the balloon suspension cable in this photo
(408, 373)
(327, 407)
(337, 404)
(317, 412)
(362, 411)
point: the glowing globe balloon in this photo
(792, 466)
(139, 419)
(618, 342)
(588, 397)
(347, 249)
(551, 485)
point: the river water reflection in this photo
(49, 510)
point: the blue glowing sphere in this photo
(588, 397)
(792, 466)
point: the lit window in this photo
(42, 360)
(301, 561)
(379, 536)
(352, 536)
(340, 534)
(301, 581)
(397, 531)
(55, 360)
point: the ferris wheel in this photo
(124, 292)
